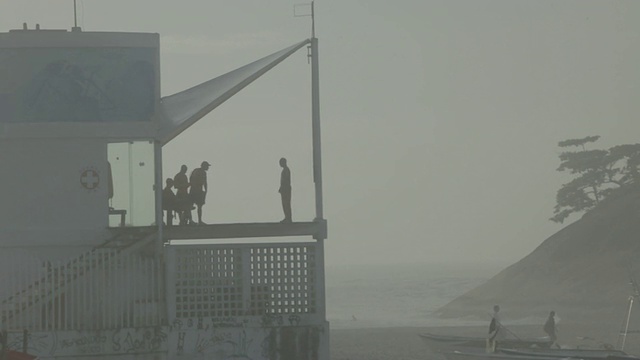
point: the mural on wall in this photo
(271, 336)
(73, 343)
(77, 84)
(239, 341)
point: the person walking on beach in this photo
(198, 191)
(496, 332)
(550, 329)
(285, 190)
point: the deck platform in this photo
(315, 229)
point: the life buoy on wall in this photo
(90, 178)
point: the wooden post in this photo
(25, 341)
(3, 340)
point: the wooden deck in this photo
(315, 229)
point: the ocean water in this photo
(369, 296)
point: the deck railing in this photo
(110, 289)
(101, 289)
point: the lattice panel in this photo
(208, 282)
(223, 280)
(283, 280)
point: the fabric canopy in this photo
(183, 109)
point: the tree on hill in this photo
(599, 174)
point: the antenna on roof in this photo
(75, 17)
(309, 12)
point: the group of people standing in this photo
(498, 332)
(192, 191)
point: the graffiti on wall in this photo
(139, 340)
(40, 343)
(239, 342)
(70, 343)
(281, 343)
(85, 344)
(206, 324)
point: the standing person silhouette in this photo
(198, 191)
(169, 201)
(285, 190)
(550, 328)
(183, 203)
(496, 331)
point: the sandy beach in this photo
(403, 343)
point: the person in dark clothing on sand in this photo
(496, 332)
(550, 328)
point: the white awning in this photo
(183, 109)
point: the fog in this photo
(440, 119)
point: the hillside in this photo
(581, 272)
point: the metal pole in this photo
(315, 121)
(317, 172)
(25, 341)
(158, 193)
(3, 343)
(626, 328)
(159, 248)
(75, 15)
(313, 22)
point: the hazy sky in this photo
(440, 119)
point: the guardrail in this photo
(101, 289)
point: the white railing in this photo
(233, 280)
(101, 289)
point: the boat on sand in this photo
(585, 354)
(451, 342)
(480, 354)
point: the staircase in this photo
(44, 297)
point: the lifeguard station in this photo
(86, 263)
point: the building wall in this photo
(54, 192)
(243, 342)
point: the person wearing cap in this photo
(285, 190)
(198, 180)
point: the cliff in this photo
(582, 272)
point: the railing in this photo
(101, 289)
(231, 280)
(107, 288)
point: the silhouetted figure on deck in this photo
(198, 191)
(169, 201)
(183, 202)
(550, 328)
(285, 190)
